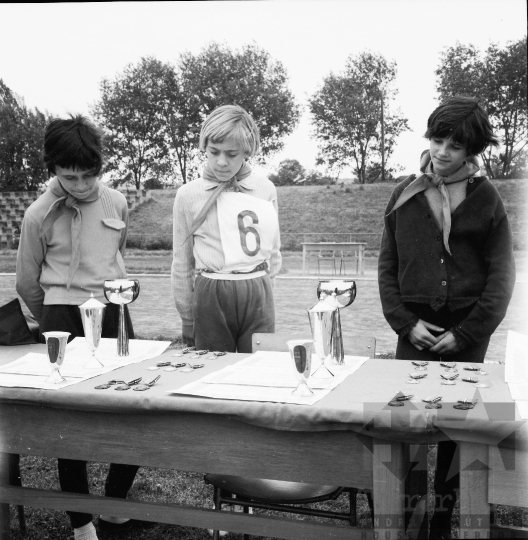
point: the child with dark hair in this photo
(446, 268)
(226, 240)
(72, 240)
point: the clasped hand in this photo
(421, 337)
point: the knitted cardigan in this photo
(415, 267)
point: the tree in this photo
(347, 115)
(154, 111)
(249, 78)
(290, 172)
(498, 79)
(129, 109)
(21, 142)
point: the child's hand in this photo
(420, 336)
(447, 344)
(188, 340)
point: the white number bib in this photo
(248, 229)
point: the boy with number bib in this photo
(226, 240)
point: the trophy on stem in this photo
(325, 321)
(92, 315)
(121, 292)
(56, 342)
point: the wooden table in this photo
(335, 246)
(341, 440)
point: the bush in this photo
(153, 183)
(315, 178)
(290, 173)
(138, 241)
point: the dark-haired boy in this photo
(72, 239)
(446, 268)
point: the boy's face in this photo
(77, 183)
(225, 158)
(447, 156)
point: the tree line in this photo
(152, 112)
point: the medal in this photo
(402, 397)
(449, 365)
(420, 366)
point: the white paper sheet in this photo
(519, 392)
(32, 370)
(523, 409)
(267, 376)
(516, 368)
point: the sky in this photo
(55, 55)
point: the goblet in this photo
(342, 293)
(121, 292)
(301, 354)
(92, 315)
(322, 318)
(56, 342)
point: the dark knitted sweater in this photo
(415, 267)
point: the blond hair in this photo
(231, 122)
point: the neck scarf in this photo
(55, 210)
(208, 174)
(430, 178)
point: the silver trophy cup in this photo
(339, 294)
(322, 318)
(121, 292)
(56, 345)
(92, 315)
(301, 354)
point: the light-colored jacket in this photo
(43, 261)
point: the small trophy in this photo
(121, 292)
(301, 354)
(56, 342)
(92, 315)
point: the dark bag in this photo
(14, 329)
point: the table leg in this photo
(4, 507)
(474, 505)
(389, 489)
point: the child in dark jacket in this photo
(446, 268)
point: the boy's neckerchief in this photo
(430, 178)
(208, 174)
(54, 212)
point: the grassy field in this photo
(321, 213)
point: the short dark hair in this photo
(73, 143)
(465, 121)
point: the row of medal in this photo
(184, 367)
(448, 379)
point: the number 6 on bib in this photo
(248, 230)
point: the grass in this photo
(328, 213)
(177, 487)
